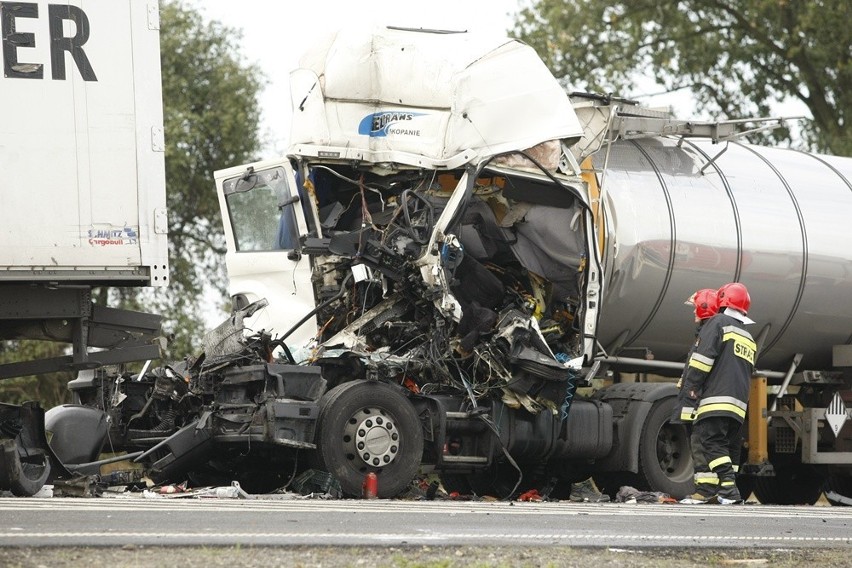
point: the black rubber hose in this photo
(311, 313)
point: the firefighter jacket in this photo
(720, 367)
(686, 405)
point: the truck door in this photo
(263, 219)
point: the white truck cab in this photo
(464, 112)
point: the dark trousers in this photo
(716, 446)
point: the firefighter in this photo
(717, 375)
(705, 305)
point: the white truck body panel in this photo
(82, 170)
(355, 96)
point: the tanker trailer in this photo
(697, 209)
(469, 291)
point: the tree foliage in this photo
(211, 121)
(49, 389)
(736, 56)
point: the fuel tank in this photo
(680, 216)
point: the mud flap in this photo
(24, 458)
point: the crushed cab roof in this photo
(424, 98)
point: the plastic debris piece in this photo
(627, 494)
(531, 495)
(316, 481)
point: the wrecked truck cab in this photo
(445, 257)
(460, 291)
(435, 262)
(424, 141)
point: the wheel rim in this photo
(371, 438)
(673, 452)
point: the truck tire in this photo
(369, 427)
(665, 460)
(24, 478)
(842, 486)
(791, 485)
(745, 485)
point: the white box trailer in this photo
(82, 176)
(82, 195)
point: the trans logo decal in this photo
(381, 124)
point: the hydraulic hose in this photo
(311, 313)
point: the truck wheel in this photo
(745, 485)
(23, 477)
(369, 427)
(665, 460)
(840, 484)
(792, 485)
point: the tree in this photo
(211, 121)
(736, 56)
(48, 389)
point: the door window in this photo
(261, 210)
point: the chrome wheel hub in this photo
(374, 435)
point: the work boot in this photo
(729, 494)
(587, 492)
(724, 501)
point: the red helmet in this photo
(705, 302)
(734, 295)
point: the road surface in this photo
(297, 521)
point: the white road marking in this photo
(409, 538)
(420, 507)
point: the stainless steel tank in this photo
(778, 220)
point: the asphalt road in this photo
(297, 521)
